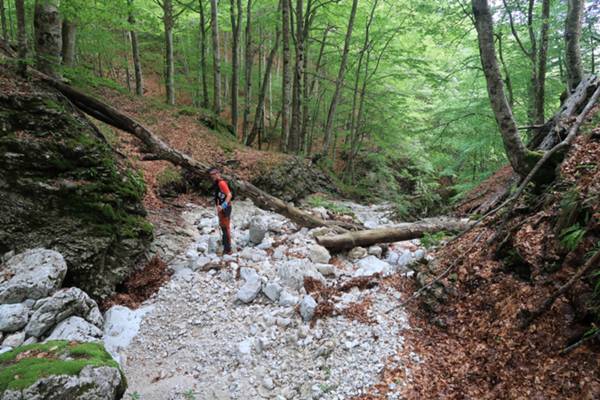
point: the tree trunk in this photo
(21, 37)
(514, 147)
(203, 70)
(3, 21)
(296, 140)
(69, 30)
(216, 58)
(539, 115)
(285, 86)
(572, 45)
(169, 22)
(236, 22)
(135, 52)
(48, 37)
(260, 105)
(507, 80)
(396, 233)
(247, 72)
(339, 82)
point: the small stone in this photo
(371, 265)
(357, 253)
(318, 254)
(272, 290)
(267, 383)
(326, 269)
(286, 299)
(307, 308)
(375, 251)
(258, 230)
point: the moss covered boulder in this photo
(60, 370)
(62, 188)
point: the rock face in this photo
(91, 210)
(33, 274)
(293, 179)
(13, 317)
(68, 371)
(76, 329)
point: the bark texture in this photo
(236, 22)
(48, 37)
(405, 231)
(21, 37)
(169, 22)
(514, 147)
(572, 43)
(216, 58)
(285, 95)
(135, 51)
(296, 140)
(203, 69)
(69, 31)
(3, 21)
(247, 72)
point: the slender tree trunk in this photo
(135, 53)
(3, 21)
(224, 54)
(308, 16)
(339, 82)
(515, 150)
(216, 58)
(203, 70)
(260, 105)
(507, 80)
(285, 96)
(295, 142)
(127, 73)
(21, 37)
(236, 23)
(169, 22)
(247, 71)
(69, 31)
(572, 43)
(48, 37)
(539, 116)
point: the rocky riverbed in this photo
(244, 326)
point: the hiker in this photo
(223, 206)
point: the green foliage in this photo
(335, 208)
(572, 236)
(169, 176)
(23, 366)
(430, 240)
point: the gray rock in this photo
(199, 263)
(357, 253)
(77, 329)
(286, 299)
(307, 308)
(14, 340)
(92, 383)
(63, 304)
(258, 230)
(253, 254)
(405, 259)
(293, 272)
(272, 290)
(13, 317)
(371, 265)
(326, 269)
(318, 254)
(34, 274)
(251, 287)
(375, 251)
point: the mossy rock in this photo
(38, 368)
(62, 188)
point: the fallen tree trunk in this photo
(396, 233)
(161, 151)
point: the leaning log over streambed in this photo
(396, 233)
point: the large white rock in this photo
(318, 254)
(308, 305)
(251, 287)
(372, 265)
(292, 273)
(121, 324)
(34, 274)
(258, 230)
(63, 304)
(77, 329)
(13, 317)
(14, 340)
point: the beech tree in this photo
(572, 41)
(514, 147)
(135, 52)
(48, 36)
(3, 21)
(236, 22)
(21, 37)
(285, 86)
(216, 57)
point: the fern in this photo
(571, 236)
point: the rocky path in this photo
(242, 326)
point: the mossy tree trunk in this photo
(48, 36)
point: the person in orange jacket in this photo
(222, 197)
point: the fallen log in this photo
(396, 233)
(157, 149)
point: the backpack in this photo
(232, 188)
